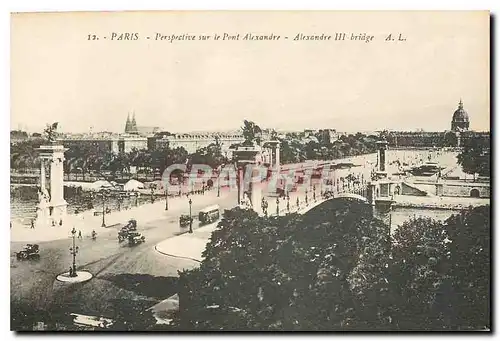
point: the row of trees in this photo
(87, 158)
(336, 268)
(296, 149)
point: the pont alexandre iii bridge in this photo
(303, 202)
(377, 191)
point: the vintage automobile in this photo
(31, 251)
(131, 226)
(135, 238)
(185, 220)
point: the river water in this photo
(399, 215)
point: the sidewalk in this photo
(188, 245)
(86, 221)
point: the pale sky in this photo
(58, 75)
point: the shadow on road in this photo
(146, 285)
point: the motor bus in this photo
(209, 215)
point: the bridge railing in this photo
(285, 209)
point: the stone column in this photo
(42, 175)
(256, 193)
(246, 156)
(56, 207)
(241, 184)
(277, 156)
(56, 179)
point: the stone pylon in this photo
(51, 209)
(249, 177)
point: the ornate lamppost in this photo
(119, 199)
(104, 194)
(203, 187)
(73, 250)
(314, 193)
(152, 188)
(288, 202)
(306, 198)
(190, 217)
(278, 206)
(166, 199)
(166, 193)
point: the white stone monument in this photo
(51, 210)
(249, 186)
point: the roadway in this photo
(120, 272)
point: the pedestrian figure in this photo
(70, 271)
(60, 222)
(32, 223)
(80, 234)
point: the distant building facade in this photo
(454, 137)
(328, 135)
(193, 142)
(105, 142)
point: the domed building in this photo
(460, 121)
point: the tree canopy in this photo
(337, 269)
(475, 156)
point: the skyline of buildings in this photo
(460, 119)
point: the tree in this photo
(418, 272)
(441, 272)
(287, 273)
(210, 155)
(469, 268)
(475, 157)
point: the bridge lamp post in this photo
(288, 202)
(203, 187)
(306, 198)
(278, 206)
(73, 250)
(190, 217)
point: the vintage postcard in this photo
(250, 171)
